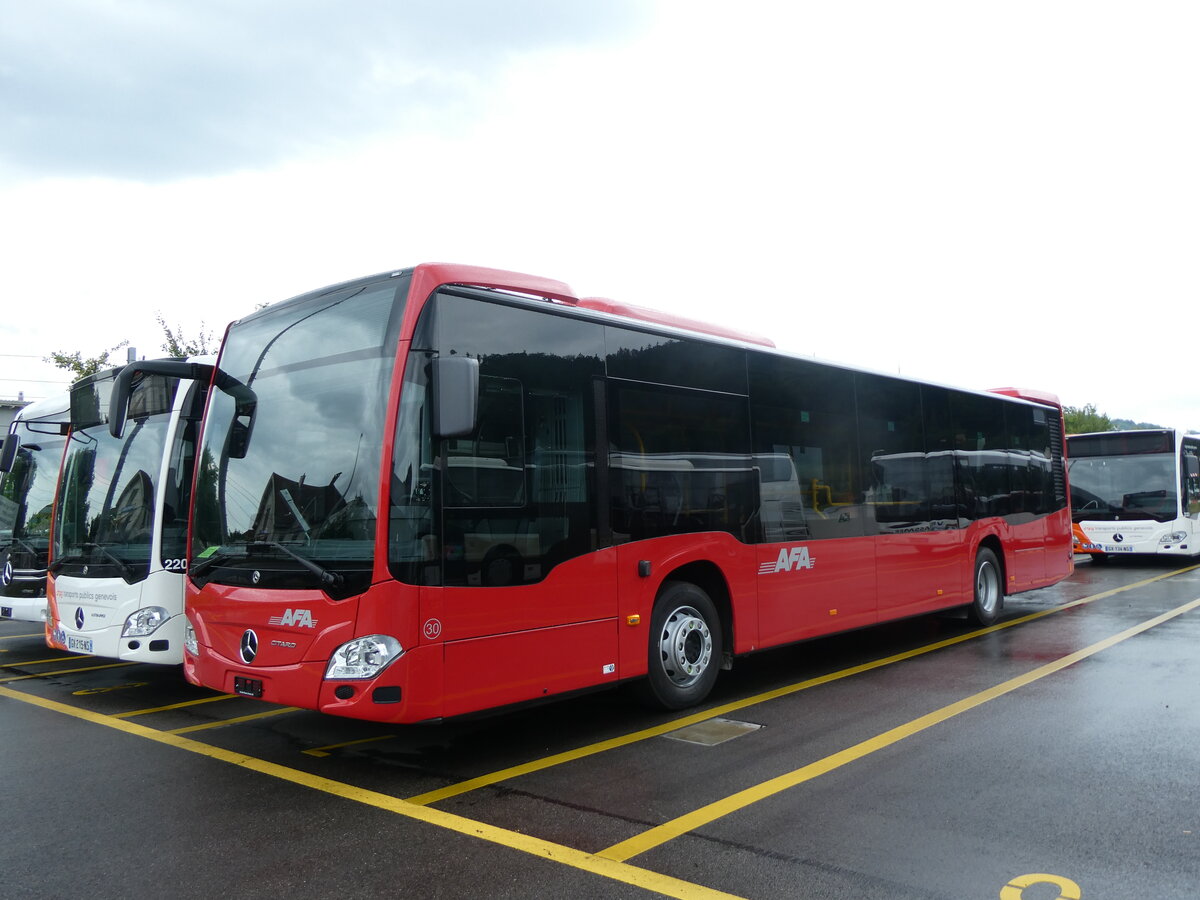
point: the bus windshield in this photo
(288, 479)
(105, 509)
(27, 492)
(1124, 487)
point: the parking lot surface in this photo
(1051, 755)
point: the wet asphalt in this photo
(1053, 756)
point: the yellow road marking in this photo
(186, 703)
(1015, 889)
(464, 787)
(713, 811)
(65, 671)
(234, 721)
(324, 751)
(547, 850)
(53, 659)
(13, 637)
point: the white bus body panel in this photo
(93, 613)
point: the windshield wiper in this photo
(28, 546)
(328, 578)
(208, 562)
(126, 569)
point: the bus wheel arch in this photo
(987, 583)
(686, 640)
(709, 578)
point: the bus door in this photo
(527, 602)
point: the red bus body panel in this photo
(587, 623)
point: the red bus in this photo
(448, 489)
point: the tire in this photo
(685, 647)
(988, 583)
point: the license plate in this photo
(79, 645)
(1121, 548)
(247, 687)
(5, 612)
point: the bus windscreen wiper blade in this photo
(125, 568)
(327, 577)
(26, 545)
(207, 562)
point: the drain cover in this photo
(713, 732)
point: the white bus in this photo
(33, 451)
(1135, 492)
(116, 574)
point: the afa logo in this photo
(791, 559)
(301, 618)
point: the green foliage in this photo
(77, 365)
(1130, 425)
(179, 347)
(1085, 419)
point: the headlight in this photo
(364, 657)
(190, 644)
(145, 621)
(1173, 538)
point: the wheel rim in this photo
(987, 588)
(686, 646)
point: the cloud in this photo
(150, 91)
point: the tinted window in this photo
(981, 446)
(680, 462)
(805, 449)
(517, 494)
(639, 356)
(892, 442)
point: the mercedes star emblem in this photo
(249, 646)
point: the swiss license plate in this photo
(79, 645)
(5, 612)
(1117, 548)
(247, 687)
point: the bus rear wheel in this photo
(989, 589)
(685, 646)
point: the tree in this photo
(80, 367)
(1085, 419)
(178, 347)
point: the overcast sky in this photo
(979, 194)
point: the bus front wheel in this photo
(989, 588)
(685, 646)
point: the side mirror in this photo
(118, 404)
(238, 442)
(455, 396)
(9, 453)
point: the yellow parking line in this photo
(13, 637)
(713, 811)
(324, 751)
(546, 850)
(464, 787)
(53, 659)
(65, 671)
(183, 705)
(234, 721)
